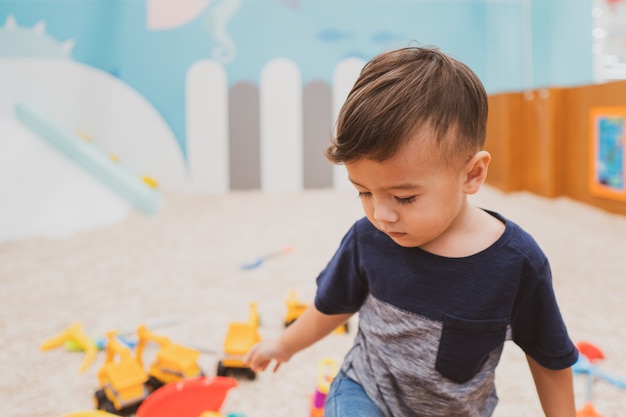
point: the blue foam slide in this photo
(131, 188)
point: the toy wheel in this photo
(251, 374)
(100, 399)
(346, 327)
(127, 411)
(153, 384)
(289, 323)
(221, 369)
(110, 408)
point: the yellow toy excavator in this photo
(240, 338)
(173, 362)
(76, 335)
(295, 308)
(122, 381)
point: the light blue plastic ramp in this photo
(126, 185)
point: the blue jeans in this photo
(346, 398)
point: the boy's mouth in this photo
(396, 235)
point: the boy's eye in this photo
(405, 200)
(363, 194)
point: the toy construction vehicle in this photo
(173, 362)
(122, 381)
(240, 338)
(295, 308)
(76, 335)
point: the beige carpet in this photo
(185, 265)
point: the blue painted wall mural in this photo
(149, 46)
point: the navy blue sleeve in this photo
(537, 324)
(341, 286)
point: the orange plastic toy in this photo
(588, 410)
(591, 351)
(187, 398)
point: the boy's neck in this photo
(473, 231)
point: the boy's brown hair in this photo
(407, 91)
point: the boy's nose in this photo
(384, 212)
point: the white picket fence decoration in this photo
(206, 91)
(280, 100)
(344, 77)
(281, 126)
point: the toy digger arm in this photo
(115, 347)
(253, 315)
(76, 334)
(56, 341)
(144, 335)
(90, 350)
(112, 346)
(141, 344)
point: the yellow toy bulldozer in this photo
(122, 381)
(173, 362)
(295, 308)
(240, 338)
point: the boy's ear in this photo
(476, 172)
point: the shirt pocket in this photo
(465, 346)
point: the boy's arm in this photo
(310, 327)
(555, 389)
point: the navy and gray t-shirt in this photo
(431, 328)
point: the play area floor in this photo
(181, 272)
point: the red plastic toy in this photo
(187, 398)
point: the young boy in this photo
(439, 284)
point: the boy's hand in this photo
(261, 354)
(310, 327)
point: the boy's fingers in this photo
(247, 359)
(261, 366)
(257, 364)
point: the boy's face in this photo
(412, 197)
